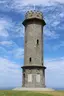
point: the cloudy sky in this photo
(12, 40)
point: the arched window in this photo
(37, 42)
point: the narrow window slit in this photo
(30, 59)
(37, 42)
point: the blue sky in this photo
(12, 40)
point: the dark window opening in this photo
(30, 59)
(37, 42)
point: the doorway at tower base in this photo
(33, 89)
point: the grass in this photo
(21, 93)
(28, 93)
(54, 93)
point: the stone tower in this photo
(33, 69)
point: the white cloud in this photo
(61, 1)
(57, 46)
(3, 51)
(50, 34)
(6, 43)
(17, 53)
(32, 2)
(35, 2)
(54, 24)
(10, 73)
(9, 28)
(5, 24)
(25, 5)
(19, 30)
(61, 14)
(3, 31)
(54, 47)
(55, 72)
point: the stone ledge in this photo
(32, 67)
(33, 89)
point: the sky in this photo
(12, 41)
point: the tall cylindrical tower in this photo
(33, 69)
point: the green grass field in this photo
(28, 93)
(22, 93)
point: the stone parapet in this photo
(34, 14)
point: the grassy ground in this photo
(54, 93)
(21, 93)
(28, 93)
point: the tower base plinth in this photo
(33, 89)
